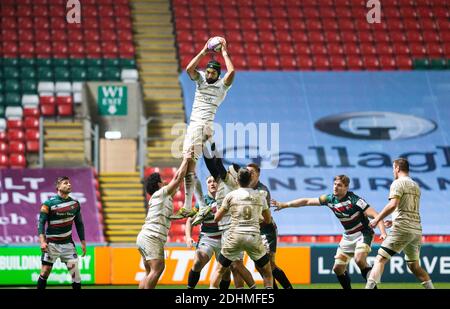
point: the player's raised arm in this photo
(191, 68)
(229, 77)
(179, 175)
(295, 203)
(387, 210)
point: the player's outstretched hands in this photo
(278, 205)
(190, 242)
(224, 45)
(205, 49)
(387, 224)
(374, 223)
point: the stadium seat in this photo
(17, 147)
(65, 110)
(15, 135)
(17, 160)
(321, 63)
(32, 134)
(387, 62)
(4, 161)
(255, 63)
(354, 62)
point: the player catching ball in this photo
(209, 94)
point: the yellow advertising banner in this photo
(127, 266)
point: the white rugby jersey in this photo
(223, 188)
(245, 206)
(208, 98)
(160, 208)
(406, 216)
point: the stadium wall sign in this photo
(375, 125)
(434, 259)
(22, 266)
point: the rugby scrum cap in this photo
(213, 64)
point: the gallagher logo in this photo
(375, 125)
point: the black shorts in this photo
(269, 232)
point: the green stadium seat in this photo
(2, 86)
(13, 62)
(438, 64)
(62, 74)
(44, 62)
(78, 62)
(111, 62)
(92, 62)
(127, 63)
(61, 62)
(421, 64)
(10, 72)
(1, 61)
(28, 73)
(27, 62)
(2, 99)
(1, 74)
(2, 111)
(94, 74)
(45, 73)
(29, 86)
(13, 99)
(78, 74)
(12, 85)
(112, 74)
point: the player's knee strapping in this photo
(224, 261)
(263, 261)
(74, 271)
(189, 182)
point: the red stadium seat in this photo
(387, 62)
(381, 37)
(398, 36)
(332, 37)
(240, 62)
(266, 36)
(31, 112)
(17, 147)
(401, 49)
(367, 49)
(351, 49)
(14, 124)
(31, 122)
(302, 49)
(418, 50)
(321, 63)
(435, 50)
(271, 62)
(318, 49)
(48, 109)
(338, 62)
(255, 63)
(15, 135)
(32, 134)
(297, 25)
(349, 37)
(283, 36)
(346, 24)
(354, 62)
(288, 62)
(4, 160)
(269, 48)
(430, 36)
(251, 36)
(4, 148)
(316, 36)
(300, 37)
(384, 49)
(404, 62)
(286, 49)
(17, 160)
(65, 110)
(253, 48)
(371, 62)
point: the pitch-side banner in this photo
(127, 266)
(435, 259)
(304, 128)
(22, 266)
(23, 191)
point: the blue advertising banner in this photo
(311, 126)
(435, 259)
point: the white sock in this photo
(253, 287)
(198, 192)
(371, 284)
(189, 180)
(428, 284)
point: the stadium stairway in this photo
(158, 69)
(63, 144)
(123, 204)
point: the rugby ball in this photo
(215, 43)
